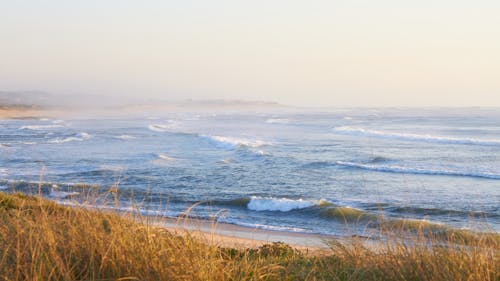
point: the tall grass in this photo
(40, 240)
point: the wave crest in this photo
(125, 137)
(353, 131)
(165, 157)
(40, 127)
(62, 194)
(348, 214)
(159, 128)
(418, 171)
(429, 211)
(280, 204)
(77, 137)
(277, 121)
(232, 143)
(171, 125)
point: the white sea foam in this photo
(3, 172)
(40, 127)
(262, 152)
(269, 227)
(279, 204)
(164, 160)
(61, 194)
(165, 127)
(165, 157)
(161, 127)
(353, 131)
(227, 161)
(58, 121)
(78, 137)
(277, 121)
(416, 170)
(232, 143)
(125, 137)
(3, 187)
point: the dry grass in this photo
(40, 240)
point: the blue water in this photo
(285, 171)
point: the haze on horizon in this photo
(307, 53)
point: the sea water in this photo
(332, 172)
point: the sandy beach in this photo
(234, 236)
(19, 112)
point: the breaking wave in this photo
(321, 208)
(232, 143)
(77, 137)
(40, 127)
(125, 137)
(256, 203)
(418, 171)
(62, 194)
(163, 127)
(159, 128)
(277, 121)
(353, 131)
(165, 157)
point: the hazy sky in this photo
(326, 53)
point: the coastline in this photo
(13, 112)
(236, 236)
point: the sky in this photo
(309, 53)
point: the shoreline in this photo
(8, 112)
(231, 235)
(226, 234)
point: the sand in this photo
(19, 112)
(229, 235)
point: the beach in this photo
(234, 236)
(7, 112)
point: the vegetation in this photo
(40, 240)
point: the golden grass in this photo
(40, 240)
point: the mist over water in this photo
(269, 166)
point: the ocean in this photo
(335, 172)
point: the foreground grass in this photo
(40, 240)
